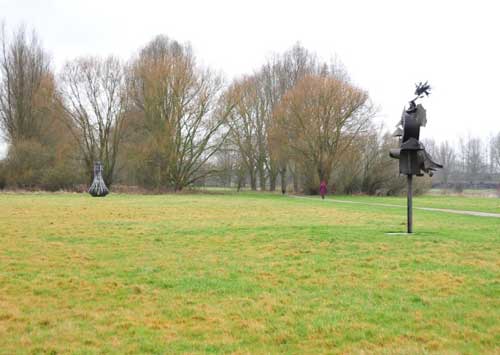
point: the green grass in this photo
(244, 273)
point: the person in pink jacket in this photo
(322, 189)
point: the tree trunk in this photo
(295, 182)
(108, 175)
(283, 180)
(272, 182)
(262, 179)
(253, 181)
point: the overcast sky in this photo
(386, 46)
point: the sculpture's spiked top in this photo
(422, 88)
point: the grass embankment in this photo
(242, 273)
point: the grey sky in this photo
(386, 46)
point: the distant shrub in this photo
(422, 185)
(397, 186)
(60, 177)
(444, 190)
(458, 188)
(24, 164)
(31, 165)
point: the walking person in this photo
(322, 189)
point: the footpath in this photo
(470, 213)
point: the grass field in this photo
(245, 273)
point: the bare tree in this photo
(23, 68)
(182, 109)
(445, 155)
(40, 154)
(278, 75)
(495, 152)
(378, 167)
(93, 96)
(255, 129)
(324, 114)
(246, 127)
(472, 158)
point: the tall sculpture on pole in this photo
(413, 159)
(98, 187)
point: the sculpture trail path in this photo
(470, 213)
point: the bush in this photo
(458, 188)
(421, 185)
(31, 165)
(24, 164)
(394, 185)
(60, 177)
(397, 186)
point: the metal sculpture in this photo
(413, 159)
(98, 187)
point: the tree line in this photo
(471, 163)
(163, 122)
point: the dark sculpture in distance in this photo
(98, 187)
(413, 159)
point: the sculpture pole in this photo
(410, 204)
(413, 159)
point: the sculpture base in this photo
(98, 188)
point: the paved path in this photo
(470, 213)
